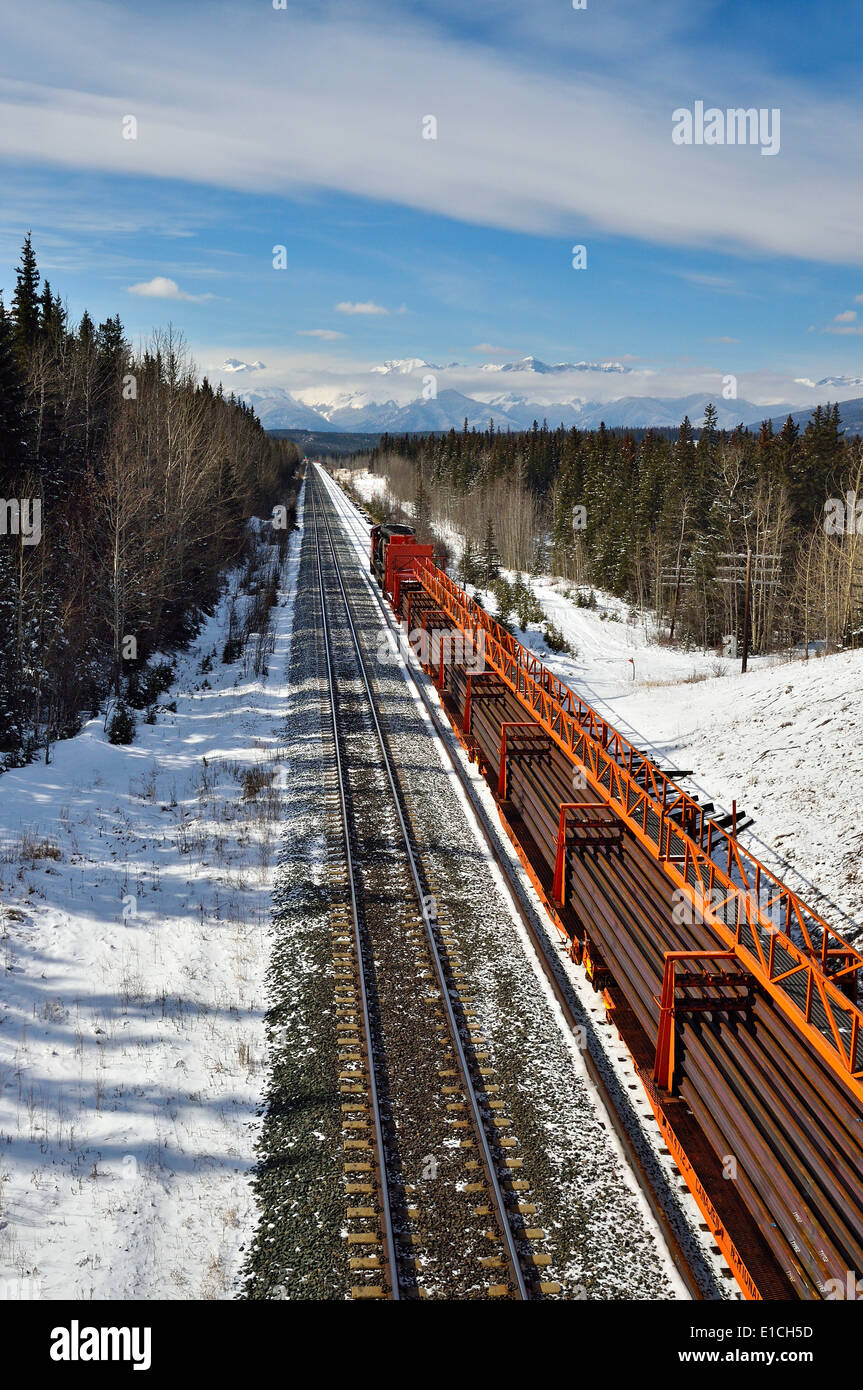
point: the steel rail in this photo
(488, 1159)
(795, 976)
(358, 944)
(636, 960)
(489, 715)
(745, 1114)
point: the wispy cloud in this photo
(327, 334)
(366, 307)
(522, 171)
(844, 323)
(723, 339)
(711, 282)
(161, 287)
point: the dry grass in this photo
(30, 848)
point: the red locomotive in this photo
(394, 547)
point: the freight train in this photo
(394, 547)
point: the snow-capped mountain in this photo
(278, 409)
(533, 364)
(359, 414)
(418, 398)
(405, 366)
(841, 381)
(233, 364)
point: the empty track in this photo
(412, 1074)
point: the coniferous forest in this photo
(665, 522)
(125, 488)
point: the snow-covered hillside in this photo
(135, 887)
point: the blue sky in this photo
(302, 127)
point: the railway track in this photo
(694, 1275)
(415, 1078)
(757, 1103)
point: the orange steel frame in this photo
(559, 888)
(504, 730)
(643, 796)
(657, 1101)
(663, 1070)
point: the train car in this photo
(394, 547)
(381, 537)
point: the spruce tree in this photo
(467, 568)
(490, 562)
(25, 301)
(422, 510)
(539, 559)
(12, 410)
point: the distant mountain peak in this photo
(841, 381)
(358, 412)
(233, 364)
(535, 364)
(405, 366)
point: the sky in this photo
(304, 127)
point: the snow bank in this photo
(135, 887)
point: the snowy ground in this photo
(135, 887)
(785, 740)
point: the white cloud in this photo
(848, 316)
(366, 307)
(553, 141)
(160, 287)
(327, 334)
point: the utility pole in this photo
(677, 576)
(766, 577)
(746, 595)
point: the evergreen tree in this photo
(52, 315)
(422, 510)
(13, 443)
(490, 559)
(26, 308)
(539, 559)
(468, 565)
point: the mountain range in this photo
(359, 412)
